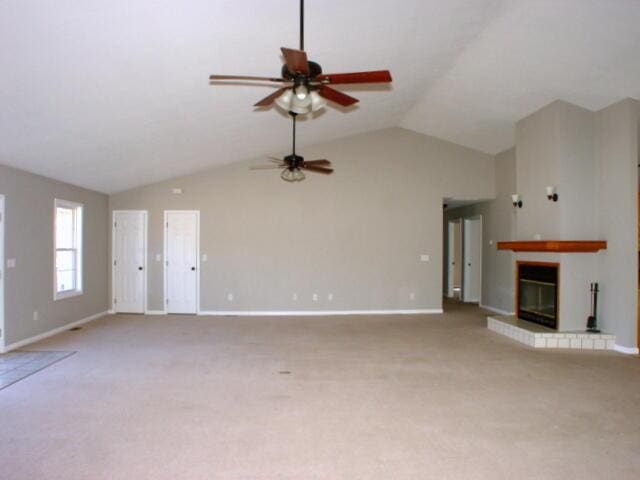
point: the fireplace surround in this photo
(537, 286)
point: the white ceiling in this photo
(114, 94)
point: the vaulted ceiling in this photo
(114, 94)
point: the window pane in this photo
(64, 228)
(65, 280)
(65, 260)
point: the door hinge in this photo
(115, 301)
(166, 263)
(115, 263)
(115, 224)
(167, 224)
(167, 301)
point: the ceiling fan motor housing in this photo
(314, 70)
(293, 161)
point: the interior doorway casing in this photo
(167, 214)
(144, 213)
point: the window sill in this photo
(68, 294)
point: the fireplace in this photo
(537, 293)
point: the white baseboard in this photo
(155, 312)
(50, 333)
(299, 313)
(496, 310)
(627, 350)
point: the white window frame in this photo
(79, 212)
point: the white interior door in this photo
(129, 261)
(181, 261)
(472, 278)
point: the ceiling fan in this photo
(304, 87)
(292, 165)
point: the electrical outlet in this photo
(330, 297)
(424, 258)
(294, 297)
(315, 297)
(412, 296)
(537, 236)
(11, 263)
(230, 297)
(35, 316)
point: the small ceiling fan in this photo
(292, 165)
(304, 87)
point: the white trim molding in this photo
(309, 313)
(50, 333)
(155, 312)
(626, 350)
(496, 310)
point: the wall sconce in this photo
(551, 193)
(516, 199)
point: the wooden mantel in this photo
(555, 246)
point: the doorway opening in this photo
(3, 335)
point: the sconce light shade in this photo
(551, 193)
(516, 200)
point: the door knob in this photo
(139, 268)
(193, 269)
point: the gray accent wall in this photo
(617, 154)
(498, 224)
(29, 206)
(357, 234)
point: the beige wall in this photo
(617, 155)
(357, 234)
(29, 240)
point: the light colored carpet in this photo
(369, 397)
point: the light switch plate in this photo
(205, 257)
(11, 263)
(158, 257)
(424, 258)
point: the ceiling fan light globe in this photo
(298, 175)
(288, 175)
(301, 92)
(284, 100)
(305, 103)
(317, 102)
(300, 110)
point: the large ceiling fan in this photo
(304, 87)
(292, 165)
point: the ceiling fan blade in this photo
(315, 169)
(266, 167)
(276, 160)
(336, 96)
(246, 77)
(377, 76)
(317, 162)
(269, 99)
(296, 60)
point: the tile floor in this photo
(14, 366)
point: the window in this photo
(68, 249)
